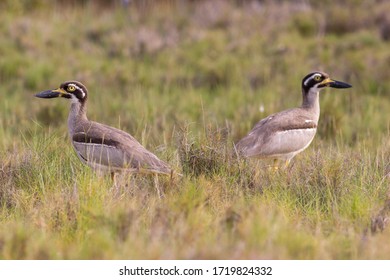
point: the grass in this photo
(188, 86)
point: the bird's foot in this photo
(273, 168)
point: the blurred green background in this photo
(166, 62)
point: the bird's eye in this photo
(71, 88)
(317, 78)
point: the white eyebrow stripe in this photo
(79, 88)
(311, 78)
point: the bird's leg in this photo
(275, 166)
(156, 185)
(113, 178)
(171, 179)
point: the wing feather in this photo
(267, 137)
(115, 148)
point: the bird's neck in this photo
(311, 102)
(77, 115)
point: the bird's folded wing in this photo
(277, 134)
(115, 148)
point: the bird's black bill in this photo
(338, 84)
(48, 94)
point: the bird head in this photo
(73, 90)
(316, 81)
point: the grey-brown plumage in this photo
(100, 146)
(287, 133)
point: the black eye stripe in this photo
(77, 91)
(316, 77)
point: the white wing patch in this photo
(300, 130)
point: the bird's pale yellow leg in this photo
(113, 178)
(156, 185)
(115, 185)
(171, 178)
(274, 167)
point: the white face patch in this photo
(312, 77)
(314, 90)
(74, 99)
